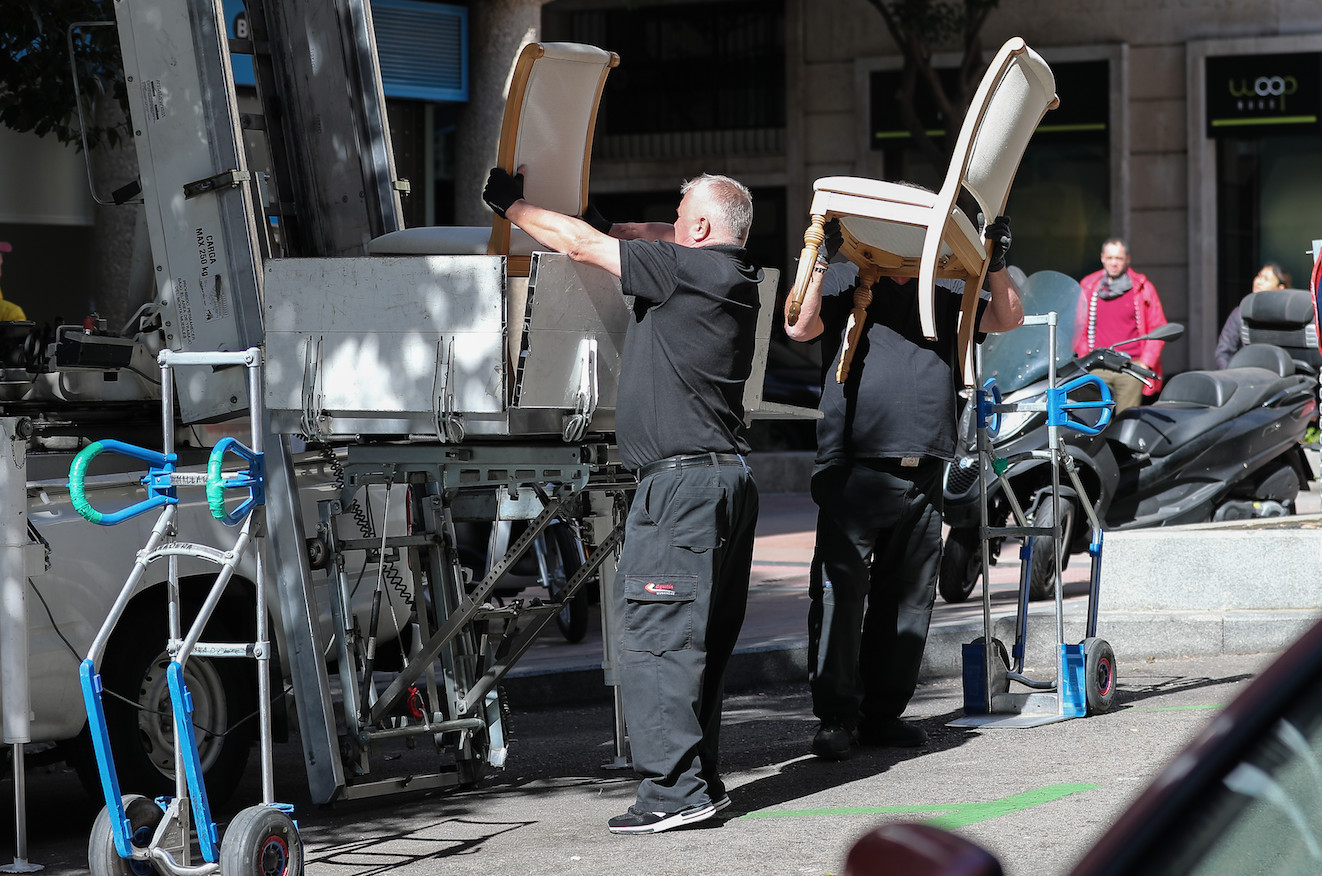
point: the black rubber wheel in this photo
(1099, 678)
(261, 841)
(961, 564)
(103, 858)
(140, 721)
(562, 561)
(1042, 575)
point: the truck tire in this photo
(139, 719)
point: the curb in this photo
(1134, 636)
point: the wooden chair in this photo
(550, 116)
(898, 230)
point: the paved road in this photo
(1037, 797)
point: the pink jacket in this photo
(1147, 316)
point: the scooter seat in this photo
(1192, 404)
(1206, 388)
(1268, 356)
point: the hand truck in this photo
(134, 834)
(1085, 676)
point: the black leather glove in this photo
(502, 190)
(593, 217)
(999, 234)
(833, 241)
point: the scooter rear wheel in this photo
(564, 562)
(961, 564)
(1042, 574)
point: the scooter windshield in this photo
(1019, 357)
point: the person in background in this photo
(1272, 276)
(9, 311)
(1117, 304)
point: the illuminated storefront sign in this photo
(1251, 95)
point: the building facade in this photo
(1190, 129)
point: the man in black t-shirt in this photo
(682, 581)
(882, 442)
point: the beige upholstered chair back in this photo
(1014, 95)
(550, 116)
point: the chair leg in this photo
(867, 275)
(968, 315)
(812, 239)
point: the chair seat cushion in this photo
(875, 189)
(886, 216)
(448, 240)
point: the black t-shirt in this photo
(688, 350)
(900, 398)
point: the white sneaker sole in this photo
(678, 819)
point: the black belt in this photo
(675, 463)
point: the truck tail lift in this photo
(1084, 680)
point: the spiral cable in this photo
(389, 572)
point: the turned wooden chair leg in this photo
(867, 275)
(968, 324)
(812, 239)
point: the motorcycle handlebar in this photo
(1140, 371)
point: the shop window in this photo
(1060, 201)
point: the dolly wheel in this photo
(103, 858)
(1098, 675)
(261, 841)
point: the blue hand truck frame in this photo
(134, 834)
(1085, 674)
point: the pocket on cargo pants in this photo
(676, 532)
(659, 612)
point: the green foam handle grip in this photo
(161, 464)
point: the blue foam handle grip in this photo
(1060, 408)
(985, 398)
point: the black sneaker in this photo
(892, 733)
(640, 821)
(833, 741)
(721, 803)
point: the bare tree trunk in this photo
(501, 28)
(121, 253)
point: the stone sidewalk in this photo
(1243, 587)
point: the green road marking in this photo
(958, 814)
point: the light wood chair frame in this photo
(952, 246)
(508, 155)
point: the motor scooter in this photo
(1217, 445)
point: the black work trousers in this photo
(872, 586)
(681, 591)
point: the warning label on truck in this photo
(186, 331)
(153, 99)
(213, 302)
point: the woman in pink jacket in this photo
(1118, 303)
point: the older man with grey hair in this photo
(682, 582)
